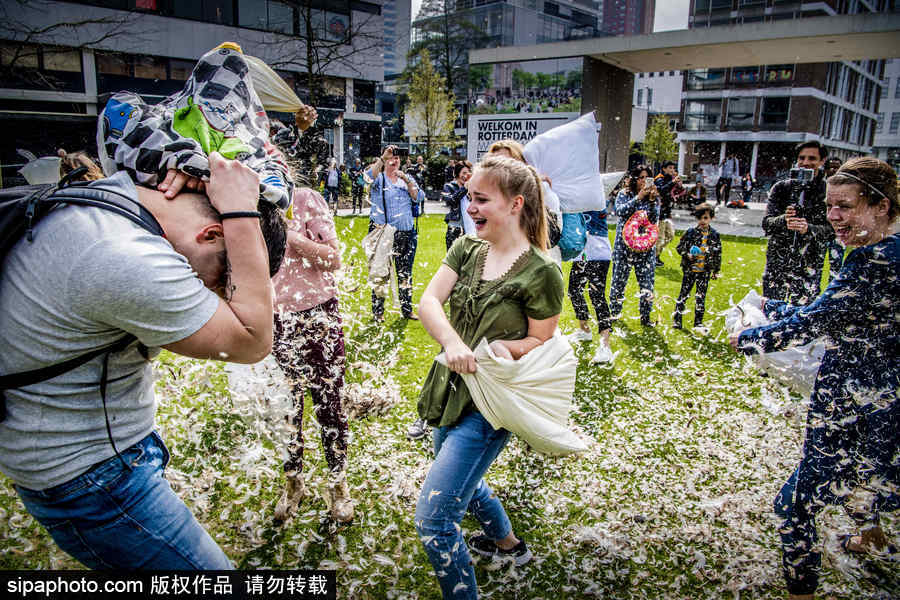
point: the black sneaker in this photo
(417, 430)
(485, 546)
(659, 263)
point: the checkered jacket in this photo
(139, 138)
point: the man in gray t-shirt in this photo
(89, 278)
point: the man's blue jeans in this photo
(114, 518)
(463, 453)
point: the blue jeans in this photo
(463, 453)
(403, 253)
(114, 518)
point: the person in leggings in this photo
(640, 194)
(590, 268)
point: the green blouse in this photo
(497, 309)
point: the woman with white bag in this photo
(853, 424)
(501, 286)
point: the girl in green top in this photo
(501, 286)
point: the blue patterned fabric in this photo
(852, 444)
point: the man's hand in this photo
(305, 117)
(233, 186)
(797, 224)
(176, 180)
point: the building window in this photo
(268, 15)
(740, 113)
(779, 73)
(897, 89)
(180, 69)
(745, 75)
(62, 60)
(879, 124)
(885, 87)
(149, 67)
(649, 97)
(640, 96)
(705, 79)
(40, 68)
(895, 122)
(153, 77)
(702, 115)
(774, 113)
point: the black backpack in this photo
(21, 208)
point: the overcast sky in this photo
(670, 14)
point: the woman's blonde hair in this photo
(69, 161)
(514, 178)
(516, 150)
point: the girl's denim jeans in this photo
(454, 484)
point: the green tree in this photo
(430, 113)
(480, 76)
(573, 79)
(544, 81)
(659, 142)
(448, 34)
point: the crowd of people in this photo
(229, 280)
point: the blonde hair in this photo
(514, 178)
(515, 149)
(69, 161)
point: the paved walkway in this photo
(745, 222)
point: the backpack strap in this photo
(107, 199)
(17, 380)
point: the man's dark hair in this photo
(823, 151)
(668, 164)
(274, 233)
(271, 222)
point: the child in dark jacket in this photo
(701, 258)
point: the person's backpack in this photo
(553, 230)
(574, 235)
(21, 209)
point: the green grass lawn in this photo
(672, 500)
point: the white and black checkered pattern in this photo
(136, 137)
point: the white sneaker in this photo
(580, 335)
(701, 330)
(602, 355)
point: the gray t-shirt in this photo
(88, 278)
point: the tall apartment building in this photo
(887, 129)
(397, 27)
(52, 87)
(760, 112)
(628, 17)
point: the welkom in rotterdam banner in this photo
(484, 130)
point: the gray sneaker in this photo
(417, 430)
(485, 546)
